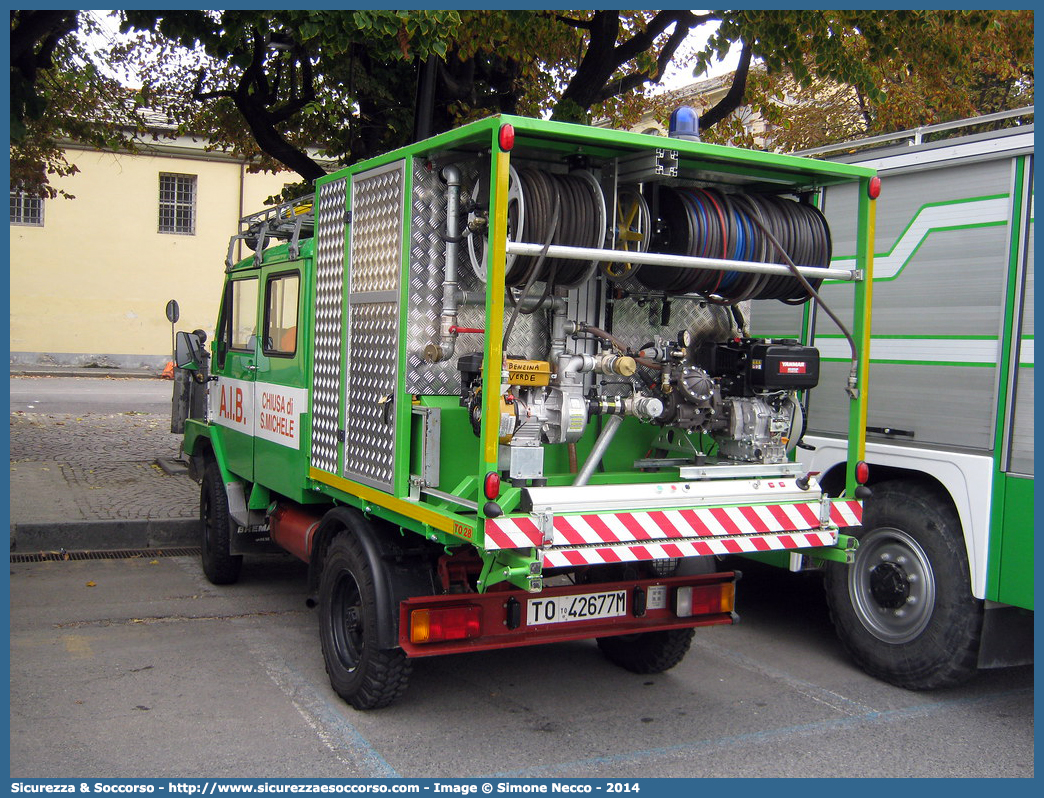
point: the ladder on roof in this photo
(289, 221)
(916, 135)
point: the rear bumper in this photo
(506, 617)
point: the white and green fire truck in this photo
(499, 388)
(942, 582)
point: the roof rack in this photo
(291, 221)
(916, 135)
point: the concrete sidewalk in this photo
(95, 481)
(56, 370)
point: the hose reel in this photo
(707, 223)
(569, 209)
(533, 195)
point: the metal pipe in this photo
(527, 303)
(443, 350)
(917, 133)
(558, 331)
(612, 424)
(683, 261)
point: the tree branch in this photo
(582, 24)
(199, 94)
(733, 99)
(643, 40)
(592, 83)
(636, 79)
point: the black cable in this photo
(815, 295)
(532, 274)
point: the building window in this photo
(26, 209)
(177, 204)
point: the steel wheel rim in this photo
(346, 620)
(892, 586)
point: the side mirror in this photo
(188, 351)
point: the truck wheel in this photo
(647, 652)
(904, 609)
(363, 675)
(220, 566)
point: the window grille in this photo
(177, 204)
(26, 209)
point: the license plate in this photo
(583, 607)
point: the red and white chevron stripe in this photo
(593, 555)
(846, 513)
(748, 522)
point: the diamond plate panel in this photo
(529, 338)
(369, 421)
(373, 326)
(377, 207)
(636, 323)
(329, 263)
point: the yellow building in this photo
(91, 276)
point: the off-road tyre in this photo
(220, 566)
(361, 673)
(904, 609)
(647, 652)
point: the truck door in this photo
(280, 396)
(236, 354)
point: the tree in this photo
(351, 79)
(289, 88)
(58, 93)
(35, 36)
(937, 66)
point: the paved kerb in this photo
(98, 481)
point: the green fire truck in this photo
(942, 583)
(499, 388)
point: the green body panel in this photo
(1014, 580)
(943, 232)
(1010, 574)
(232, 403)
(197, 436)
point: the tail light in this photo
(704, 599)
(491, 485)
(445, 623)
(506, 137)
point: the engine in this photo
(742, 393)
(755, 414)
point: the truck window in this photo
(281, 294)
(243, 314)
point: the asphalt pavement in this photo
(138, 667)
(126, 662)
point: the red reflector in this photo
(491, 485)
(862, 472)
(448, 623)
(507, 137)
(874, 189)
